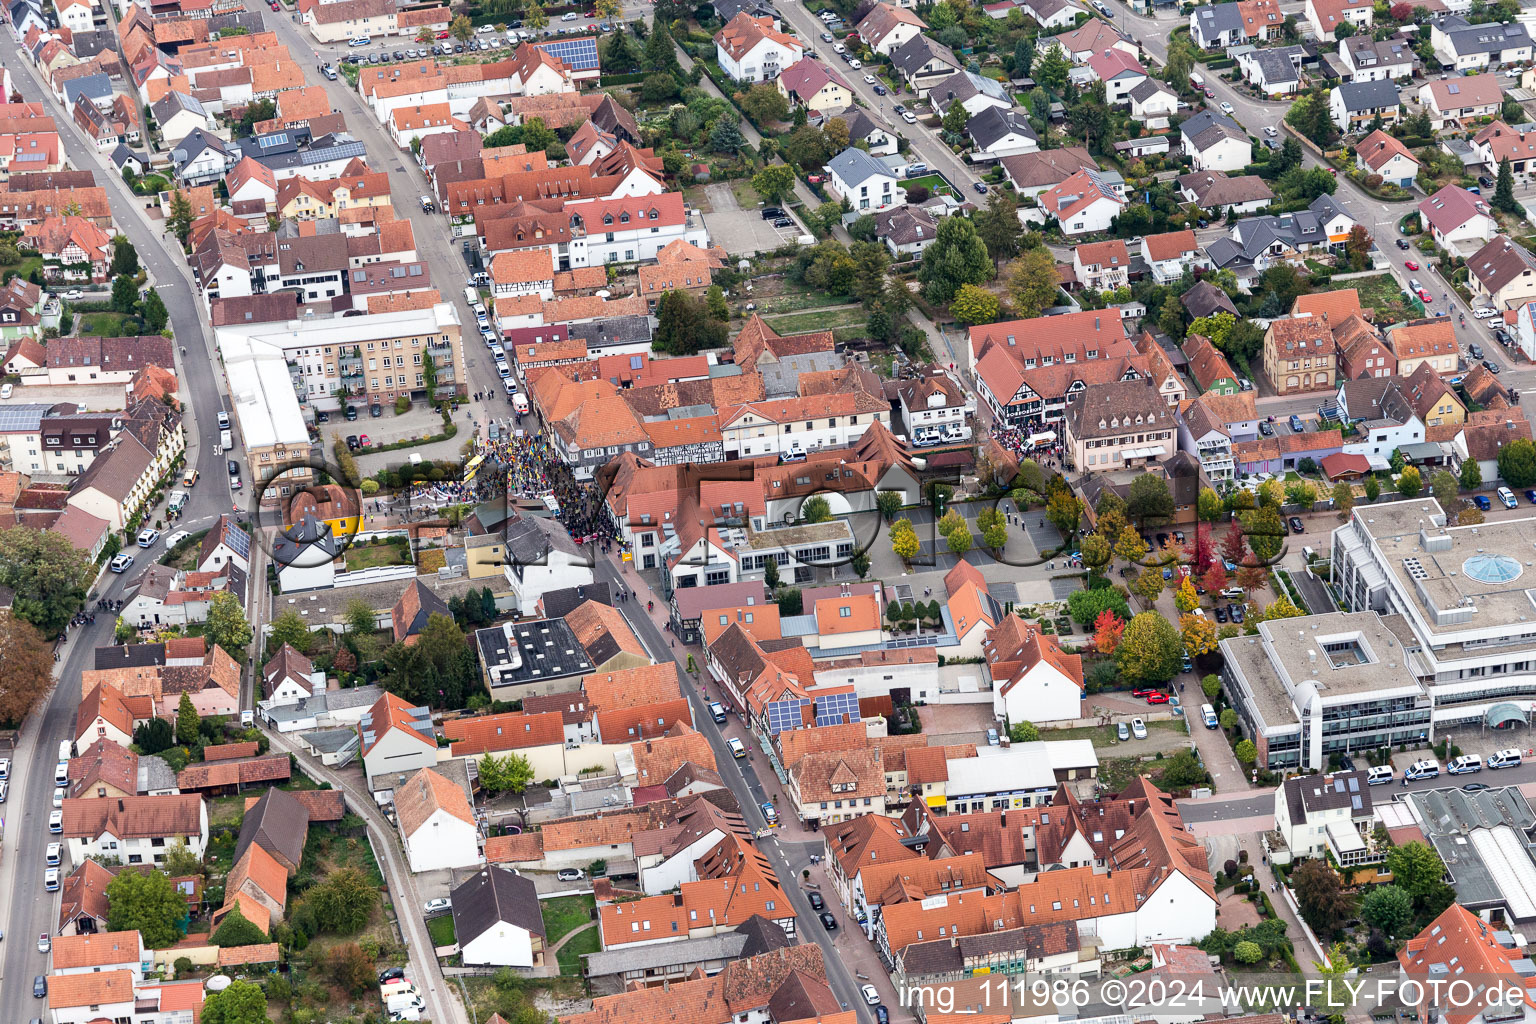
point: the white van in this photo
(1507, 496)
(471, 296)
(1466, 764)
(66, 750)
(1427, 769)
(1234, 593)
(1504, 758)
(1379, 776)
(61, 774)
(1208, 716)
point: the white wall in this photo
(443, 841)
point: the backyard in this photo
(822, 320)
(109, 325)
(374, 554)
(1382, 294)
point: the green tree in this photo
(998, 225)
(1197, 633)
(227, 625)
(180, 218)
(973, 305)
(957, 256)
(235, 930)
(255, 112)
(186, 721)
(816, 509)
(1051, 69)
(955, 118)
(1209, 506)
(343, 902)
(684, 326)
(959, 541)
(1343, 497)
(243, 1002)
(1210, 685)
(48, 575)
(154, 736)
(1246, 952)
(125, 258)
(870, 262)
(1409, 482)
(774, 182)
(1264, 533)
(1321, 895)
(714, 301)
(1150, 649)
(1032, 283)
(1085, 606)
(538, 136)
(1416, 868)
(1023, 732)
(764, 104)
(360, 617)
(1517, 464)
(1216, 328)
(660, 52)
(1064, 510)
(1245, 751)
(461, 28)
(1387, 907)
(1129, 546)
(771, 575)
(659, 87)
(155, 314)
(289, 628)
(725, 136)
(1471, 475)
(147, 903)
(1504, 192)
(1149, 501)
(125, 294)
(1171, 317)
(1227, 719)
(534, 15)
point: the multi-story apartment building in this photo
(1436, 633)
(1299, 354)
(372, 359)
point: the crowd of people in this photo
(1017, 440)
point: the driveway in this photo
(741, 232)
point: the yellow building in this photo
(485, 556)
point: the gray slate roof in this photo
(1368, 95)
(493, 895)
(1208, 127)
(1218, 18)
(854, 166)
(1467, 38)
(995, 123)
(919, 50)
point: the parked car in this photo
(389, 974)
(1138, 728)
(1236, 613)
(1266, 428)
(1482, 502)
(1296, 424)
(880, 91)
(121, 563)
(148, 537)
(1296, 525)
(570, 874)
(817, 903)
(828, 921)
(871, 994)
(1158, 698)
(438, 905)
(1490, 366)
(1123, 732)
(1221, 614)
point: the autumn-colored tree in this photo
(1185, 599)
(26, 667)
(1204, 554)
(1234, 547)
(1106, 632)
(1282, 608)
(1215, 579)
(1129, 547)
(1096, 552)
(350, 968)
(1198, 633)
(1064, 511)
(1149, 650)
(1148, 585)
(904, 540)
(1251, 577)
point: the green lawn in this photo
(932, 182)
(1380, 292)
(441, 930)
(108, 325)
(374, 555)
(1107, 735)
(564, 915)
(570, 953)
(800, 323)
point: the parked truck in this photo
(1197, 80)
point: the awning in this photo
(1503, 714)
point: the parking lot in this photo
(742, 232)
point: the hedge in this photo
(608, 80)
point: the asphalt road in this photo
(787, 860)
(26, 909)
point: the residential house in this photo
(754, 50)
(1119, 425)
(1362, 351)
(1085, 202)
(832, 786)
(73, 249)
(1103, 266)
(1153, 104)
(1456, 102)
(1498, 142)
(396, 739)
(496, 919)
(1299, 354)
(997, 132)
(1417, 342)
(1215, 142)
(1274, 71)
(134, 829)
(1051, 15)
(289, 678)
(923, 63)
(437, 823)
(1170, 383)
(1383, 154)
(1369, 59)
(1170, 255)
(1327, 15)
(1033, 679)
(1354, 105)
(863, 128)
(1215, 192)
(1211, 424)
(905, 230)
(1458, 221)
(1119, 71)
(1030, 370)
(1464, 46)
(931, 403)
(815, 86)
(1095, 36)
(1209, 367)
(1217, 26)
(1460, 939)
(1034, 173)
(1382, 410)
(864, 181)
(1503, 274)
(886, 27)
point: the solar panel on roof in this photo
(239, 541)
(580, 54)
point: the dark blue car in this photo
(1482, 502)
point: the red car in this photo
(363, 442)
(815, 179)
(442, 35)
(1411, 265)
(1157, 698)
(1425, 295)
(1209, 94)
(1142, 693)
(276, 6)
